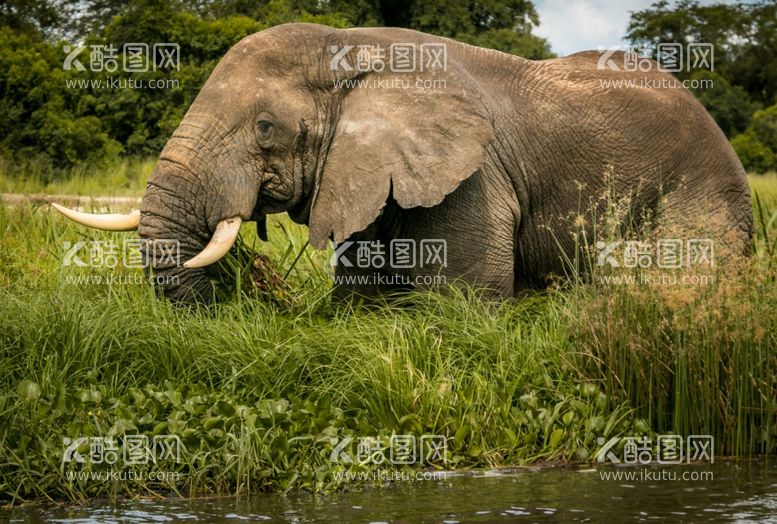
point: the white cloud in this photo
(579, 25)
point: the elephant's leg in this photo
(360, 275)
(475, 226)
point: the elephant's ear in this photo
(396, 138)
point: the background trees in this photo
(42, 116)
(744, 37)
(61, 124)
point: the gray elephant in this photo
(489, 153)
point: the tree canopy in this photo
(744, 38)
(744, 80)
(45, 114)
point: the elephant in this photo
(486, 152)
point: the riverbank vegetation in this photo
(262, 388)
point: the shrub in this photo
(39, 116)
(757, 146)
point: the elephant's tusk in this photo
(107, 221)
(223, 238)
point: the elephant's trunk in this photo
(193, 200)
(172, 236)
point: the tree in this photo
(744, 38)
(37, 16)
(39, 116)
(757, 146)
(505, 25)
(729, 105)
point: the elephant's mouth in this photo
(282, 192)
(175, 255)
(301, 212)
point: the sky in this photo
(579, 25)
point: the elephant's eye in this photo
(265, 129)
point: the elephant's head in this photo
(285, 124)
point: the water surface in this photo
(723, 492)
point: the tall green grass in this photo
(260, 385)
(117, 177)
(494, 378)
(698, 357)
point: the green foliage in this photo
(68, 117)
(684, 351)
(257, 390)
(337, 13)
(502, 25)
(453, 18)
(39, 116)
(525, 45)
(755, 156)
(236, 440)
(143, 119)
(757, 146)
(30, 15)
(728, 104)
(744, 38)
(116, 177)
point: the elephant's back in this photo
(639, 131)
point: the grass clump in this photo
(693, 349)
